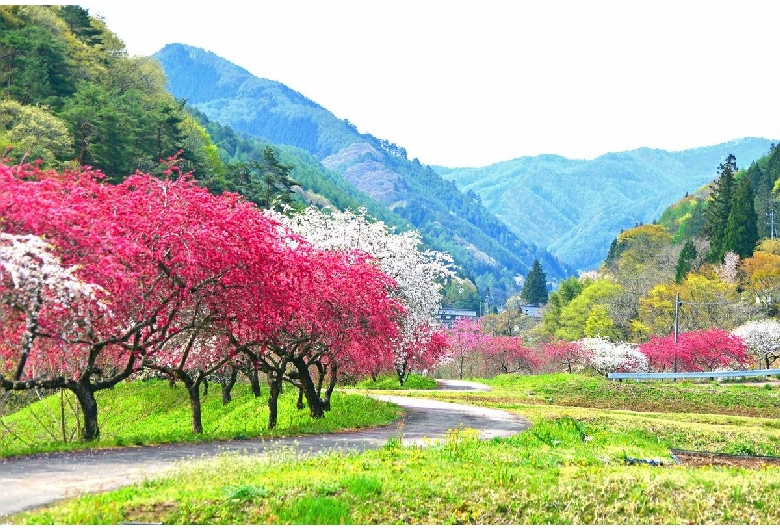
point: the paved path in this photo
(30, 481)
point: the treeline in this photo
(713, 251)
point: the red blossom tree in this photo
(564, 354)
(86, 224)
(508, 355)
(182, 274)
(696, 351)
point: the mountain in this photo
(448, 219)
(575, 208)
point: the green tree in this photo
(461, 294)
(33, 133)
(742, 227)
(33, 66)
(265, 182)
(718, 209)
(568, 290)
(535, 287)
(589, 309)
(685, 262)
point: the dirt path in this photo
(30, 481)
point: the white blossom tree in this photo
(763, 339)
(32, 280)
(605, 356)
(418, 273)
(729, 270)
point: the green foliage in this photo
(461, 294)
(764, 175)
(569, 289)
(741, 229)
(718, 208)
(76, 95)
(684, 262)
(586, 310)
(535, 287)
(34, 133)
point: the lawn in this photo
(571, 467)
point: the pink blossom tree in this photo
(466, 340)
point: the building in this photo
(449, 315)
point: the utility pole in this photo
(772, 231)
(677, 304)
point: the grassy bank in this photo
(153, 412)
(572, 466)
(551, 474)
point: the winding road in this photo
(30, 481)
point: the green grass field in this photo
(153, 412)
(570, 467)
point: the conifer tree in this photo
(685, 261)
(717, 212)
(535, 287)
(742, 226)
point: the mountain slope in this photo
(448, 219)
(574, 208)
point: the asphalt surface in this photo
(31, 481)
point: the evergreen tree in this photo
(265, 182)
(535, 287)
(742, 227)
(717, 212)
(695, 223)
(277, 184)
(685, 261)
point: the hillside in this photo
(574, 208)
(448, 219)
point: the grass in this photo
(571, 467)
(153, 412)
(390, 382)
(555, 473)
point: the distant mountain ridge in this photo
(574, 208)
(448, 219)
(495, 219)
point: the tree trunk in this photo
(89, 409)
(227, 385)
(300, 404)
(194, 391)
(331, 386)
(275, 384)
(315, 405)
(254, 381)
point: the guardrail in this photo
(690, 375)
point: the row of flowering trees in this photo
(474, 352)
(98, 281)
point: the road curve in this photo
(30, 481)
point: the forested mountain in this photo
(449, 220)
(574, 208)
(71, 96)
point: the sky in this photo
(471, 83)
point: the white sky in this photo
(470, 83)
